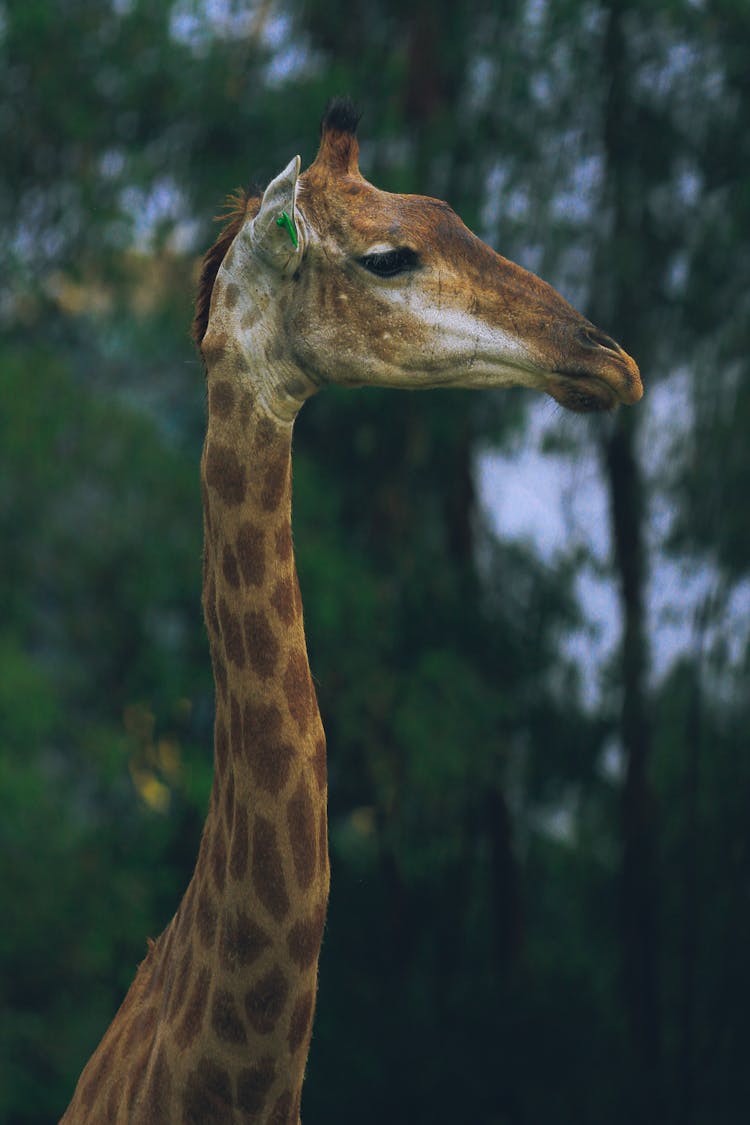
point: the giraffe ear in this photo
(276, 229)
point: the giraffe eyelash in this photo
(390, 263)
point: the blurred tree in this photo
(96, 650)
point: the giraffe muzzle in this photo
(597, 374)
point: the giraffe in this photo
(324, 278)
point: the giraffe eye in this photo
(390, 262)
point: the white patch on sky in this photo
(535, 13)
(112, 163)
(612, 763)
(162, 206)
(574, 202)
(197, 23)
(194, 24)
(480, 77)
(557, 502)
(492, 208)
(543, 497)
(558, 822)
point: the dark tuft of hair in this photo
(342, 115)
(238, 206)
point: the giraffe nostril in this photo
(592, 338)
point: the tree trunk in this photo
(639, 847)
(622, 303)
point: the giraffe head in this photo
(330, 280)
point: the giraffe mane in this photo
(236, 209)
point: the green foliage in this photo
(96, 620)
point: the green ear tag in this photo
(284, 221)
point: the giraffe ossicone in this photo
(382, 289)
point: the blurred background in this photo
(529, 630)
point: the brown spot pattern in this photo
(136, 1073)
(284, 542)
(101, 1066)
(140, 1030)
(305, 937)
(209, 607)
(267, 870)
(282, 599)
(238, 858)
(230, 568)
(265, 432)
(220, 672)
(231, 295)
(232, 634)
(207, 1097)
(251, 554)
(253, 1085)
(262, 646)
(214, 345)
(225, 1019)
(274, 483)
(159, 1089)
(192, 1018)
(300, 1025)
(319, 763)
(269, 758)
(206, 514)
(301, 821)
(186, 914)
(323, 842)
(264, 1002)
(235, 726)
(221, 398)
(221, 743)
(281, 1114)
(242, 940)
(180, 986)
(114, 1098)
(164, 948)
(298, 690)
(225, 473)
(219, 860)
(229, 804)
(205, 918)
(246, 402)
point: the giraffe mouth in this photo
(583, 393)
(586, 392)
(597, 375)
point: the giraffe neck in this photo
(216, 1025)
(255, 910)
